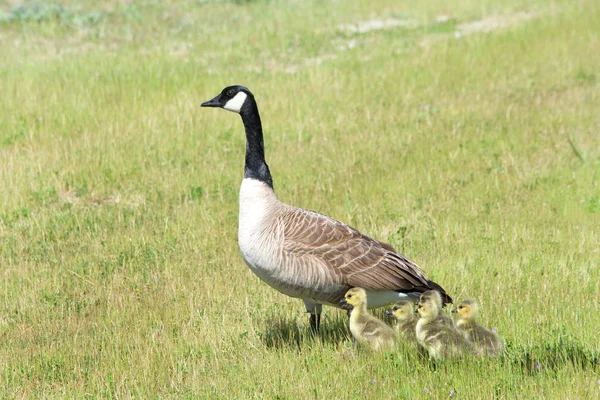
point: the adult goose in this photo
(302, 253)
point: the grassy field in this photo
(465, 133)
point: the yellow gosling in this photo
(439, 338)
(406, 320)
(484, 340)
(366, 328)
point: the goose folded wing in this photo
(355, 259)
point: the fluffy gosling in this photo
(366, 328)
(434, 334)
(485, 341)
(406, 320)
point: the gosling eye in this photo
(349, 296)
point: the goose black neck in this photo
(256, 167)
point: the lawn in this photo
(464, 133)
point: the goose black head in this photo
(232, 98)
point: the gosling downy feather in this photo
(305, 254)
(484, 340)
(406, 319)
(366, 328)
(440, 339)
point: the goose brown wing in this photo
(346, 254)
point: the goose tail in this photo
(446, 299)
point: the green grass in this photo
(478, 156)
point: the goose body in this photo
(366, 328)
(484, 340)
(305, 254)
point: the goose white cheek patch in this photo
(236, 103)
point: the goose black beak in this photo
(389, 312)
(212, 103)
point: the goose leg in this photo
(315, 322)
(314, 309)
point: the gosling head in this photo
(467, 310)
(355, 297)
(232, 98)
(430, 304)
(404, 310)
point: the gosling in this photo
(484, 340)
(440, 339)
(366, 328)
(406, 320)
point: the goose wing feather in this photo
(351, 257)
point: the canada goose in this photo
(406, 319)
(485, 341)
(434, 334)
(302, 253)
(364, 326)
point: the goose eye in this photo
(229, 93)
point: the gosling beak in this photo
(454, 310)
(212, 103)
(343, 302)
(389, 312)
